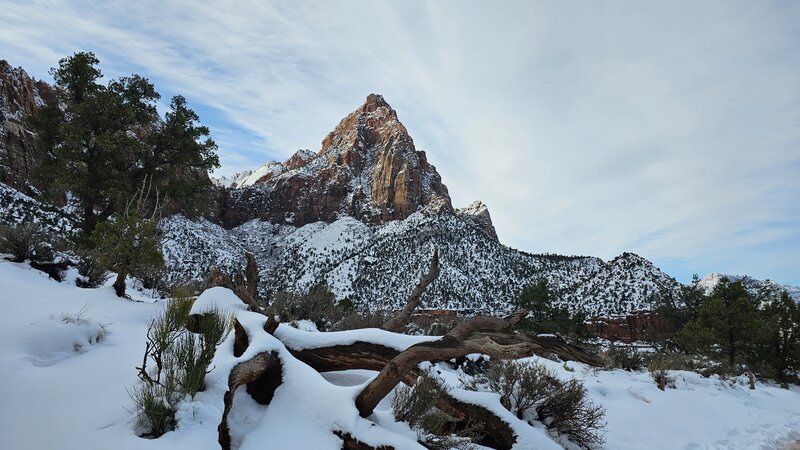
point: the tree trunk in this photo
(119, 284)
(399, 322)
(458, 342)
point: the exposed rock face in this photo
(367, 168)
(633, 327)
(20, 95)
(478, 215)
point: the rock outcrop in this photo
(477, 214)
(367, 168)
(20, 95)
(633, 327)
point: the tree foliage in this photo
(129, 244)
(730, 316)
(99, 141)
(780, 323)
(544, 316)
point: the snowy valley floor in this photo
(68, 357)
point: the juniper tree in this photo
(729, 315)
(128, 244)
(99, 141)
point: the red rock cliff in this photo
(20, 95)
(367, 168)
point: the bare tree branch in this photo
(399, 322)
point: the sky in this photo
(669, 129)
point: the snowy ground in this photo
(67, 358)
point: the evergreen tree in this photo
(730, 315)
(544, 317)
(677, 314)
(181, 154)
(128, 244)
(100, 141)
(780, 323)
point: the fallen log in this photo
(262, 375)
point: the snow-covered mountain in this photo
(367, 168)
(377, 266)
(758, 288)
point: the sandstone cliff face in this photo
(367, 168)
(20, 95)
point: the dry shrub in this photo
(416, 405)
(659, 364)
(92, 273)
(567, 411)
(356, 320)
(532, 392)
(317, 305)
(24, 242)
(625, 358)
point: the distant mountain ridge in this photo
(377, 266)
(758, 288)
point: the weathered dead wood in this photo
(251, 274)
(458, 342)
(237, 283)
(262, 375)
(351, 443)
(546, 346)
(398, 322)
(358, 355)
(240, 339)
(271, 324)
(496, 432)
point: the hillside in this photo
(377, 266)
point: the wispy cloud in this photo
(664, 128)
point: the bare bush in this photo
(567, 411)
(658, 366)
(317, 305)
(626, 358)
(24, 242)
(532, 392)
(416, 405)
(521, 386)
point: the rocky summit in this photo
(367, 168)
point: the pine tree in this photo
(129, 244)
(100, 141)
(780, 323)
(730, 316)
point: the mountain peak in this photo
(367, 167)
(478, 215)
(376, 100)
